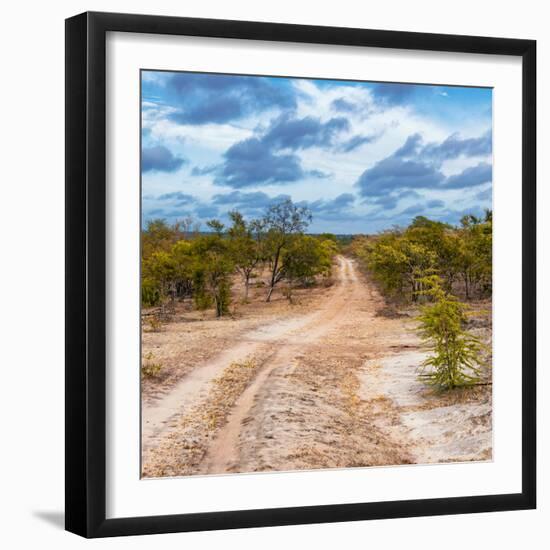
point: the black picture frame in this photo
(86, 279)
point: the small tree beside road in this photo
(456, 359)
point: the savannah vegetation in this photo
(180, 262)
(401, 259)
(435, 266)
(441, 268)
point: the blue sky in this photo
(362, 156)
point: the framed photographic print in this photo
(300, 274)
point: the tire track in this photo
(161, 417)
(223, 454)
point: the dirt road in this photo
(311, 391)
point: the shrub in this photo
(202, 299)
(222, 298)
(155, 323)
(149, 368)
(150, 293)
(455, 358)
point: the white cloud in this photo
(205, 145)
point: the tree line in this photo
(401, 259)
(178, 261)
(439, 263)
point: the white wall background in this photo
(32, 270)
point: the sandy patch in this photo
(453, 427)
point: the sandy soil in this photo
(330, 382)
(192, 337)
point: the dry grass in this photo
(149, 367)
(190, 337)
(155, 323)
(182, 450)
(226, 390)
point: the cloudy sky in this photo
(363, 156)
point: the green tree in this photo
(449, 254)
(305, 257)
(158, 235)
(400, 258)
(183, 262)
(282, 222)
(160, 268)
(456, 354)
(216, 225)
(400, 263)
(160, 276)
(476, 255)
(212, 271)
(387, 262)
(150, 292)
(245, 243)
